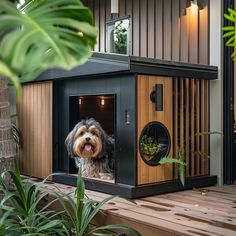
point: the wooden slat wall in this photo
(146, 113)
(191, 118)
(159, 28)
(175, 122)
(35, 126)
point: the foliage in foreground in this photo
(81, 210)
(43, 34)
(20, 211)
(21, 214)
(229, 30)
(230, 33)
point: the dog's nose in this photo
(87, 139)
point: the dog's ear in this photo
(110, 149)
(69, 142)
(103, 137)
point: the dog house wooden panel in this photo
(146, 113)
(35, 124)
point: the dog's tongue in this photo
(88, 147)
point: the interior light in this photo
(114, 6)
(102, 102)
(80, 101)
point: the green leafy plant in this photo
(36, 36)
(20, 211)
(43, 34)
(121, 38)
(180, 160)
(149, 146)
(80, 211)
(229, 31)
(25, 210)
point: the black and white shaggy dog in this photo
(92, 149)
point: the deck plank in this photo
(205, 212)
(200, 202)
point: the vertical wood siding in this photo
(159, 28)
(190, 120)
(146, 113)
(35, 125)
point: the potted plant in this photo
(149, 146)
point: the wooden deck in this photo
(205, 212)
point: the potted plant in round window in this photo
(154, 143)
(149, 147)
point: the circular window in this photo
(154, 143)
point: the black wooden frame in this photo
(129, 191)
(123, 87)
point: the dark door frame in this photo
(228, 100)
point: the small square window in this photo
(118, 38)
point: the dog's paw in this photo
(106, 176)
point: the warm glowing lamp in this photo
(194, 5)
(102, 102)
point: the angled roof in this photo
(104, 63)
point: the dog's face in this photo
(86, 140)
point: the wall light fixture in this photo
(114, 6)
(193, 5)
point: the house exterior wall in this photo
(160, 29)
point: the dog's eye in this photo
(93, 133)
(81, 133)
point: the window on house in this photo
(118, 38)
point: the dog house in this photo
(153, 109)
